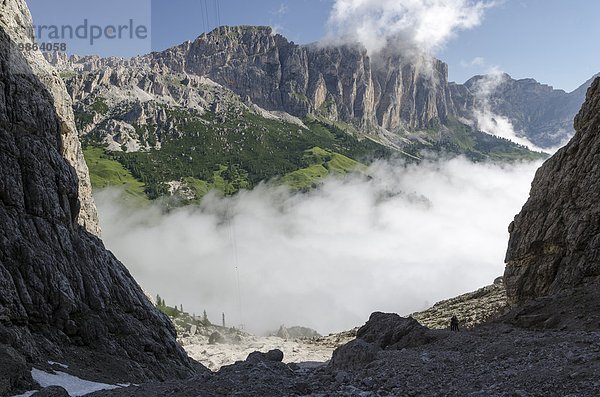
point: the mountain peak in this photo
(233, 31)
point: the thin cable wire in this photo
(218, 12)
(237, 271)
(232, 237)
(202, 18)
(207, 18)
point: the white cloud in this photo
(477, 61)
(423, 26)
(327, 259)
(282, 10)
(490, 122)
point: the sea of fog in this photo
(397, 241)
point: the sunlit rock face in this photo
(341, 82)
(555, 240)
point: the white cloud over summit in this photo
(423, 26)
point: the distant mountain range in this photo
(538, 112)
(241, 105)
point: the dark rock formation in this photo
(555, 240)
(571, 309)
(274, 355)
(382, 331)
(63, 296)
(215, 338)
(15, 18)
(354, 354)
(14, 371)
(390, 331)
(256, 376)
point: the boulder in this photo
(354, 354)
(215, 338)
(390, 331)
(274, 355)
(382, 331)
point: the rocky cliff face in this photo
(555, 240)
(63, 297)
(15, 18)
(384, 97)
(472, 308)
(132, 108)
(340, 82)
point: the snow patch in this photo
(72, 384)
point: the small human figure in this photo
(454, 323)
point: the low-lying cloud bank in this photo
(398, 241)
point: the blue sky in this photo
(553, 41)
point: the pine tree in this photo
(205, 318)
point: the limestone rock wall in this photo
(342, 82)
(555, 239)
(63, 296)
(15, 17)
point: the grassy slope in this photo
(477, 145)
(240, 152)
(245, 149)
(105, 172)
(321, 164)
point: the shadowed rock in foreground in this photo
(555, 240)
(495, 359)
(63, 296)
